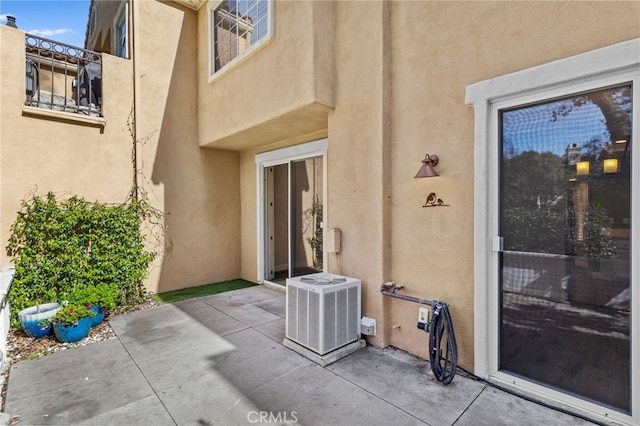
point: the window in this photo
(237, 28)
(120, 36)
(554, 227)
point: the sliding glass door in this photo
(565, 223)
(293, 218)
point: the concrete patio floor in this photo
(220, 360)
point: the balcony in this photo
(60, 77)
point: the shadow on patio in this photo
(219, 360)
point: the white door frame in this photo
(272, 158)
(270, 230)
(592, 70)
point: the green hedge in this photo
(58, 246)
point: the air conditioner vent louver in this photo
(323, 311)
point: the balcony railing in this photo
(62, 77)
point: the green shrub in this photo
(61, 246)
(107, 296)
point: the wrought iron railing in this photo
(62, 77)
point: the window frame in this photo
(605, 67)
(212, 6)
(121, 17)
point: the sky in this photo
(531, 128)
(60, 20)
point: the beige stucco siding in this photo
(438, 48)
(357, 166)
(383, 81)
(198, 189)
(399, 87)
(47, 154)
(284, 89)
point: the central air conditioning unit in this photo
(323, 311)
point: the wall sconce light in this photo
(427, 166)
(582, 168)
(611, 165)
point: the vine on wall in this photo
(62, 245)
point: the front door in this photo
(565, 226)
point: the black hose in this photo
(443, 367)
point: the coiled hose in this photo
(443, 367)
(440, 324)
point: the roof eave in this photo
(191, 4)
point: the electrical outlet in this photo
(368, 326)
(423, 315)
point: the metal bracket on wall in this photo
(434, 201)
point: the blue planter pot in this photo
(31, 318)
(99, 315)
(69, 333)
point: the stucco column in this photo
(358, 169)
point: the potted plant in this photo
(72, 322)
(31, 302)
(34, 319)
(99, 298)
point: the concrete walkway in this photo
(220, 360)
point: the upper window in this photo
(237, 28)
(120, 33)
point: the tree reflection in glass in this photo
(565, 225)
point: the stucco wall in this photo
(462, 43)
(198, 189)
(268, 98)
(397, 86)
(400, 81)
(65, 157)
(358, 164)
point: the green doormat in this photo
(203, 290)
